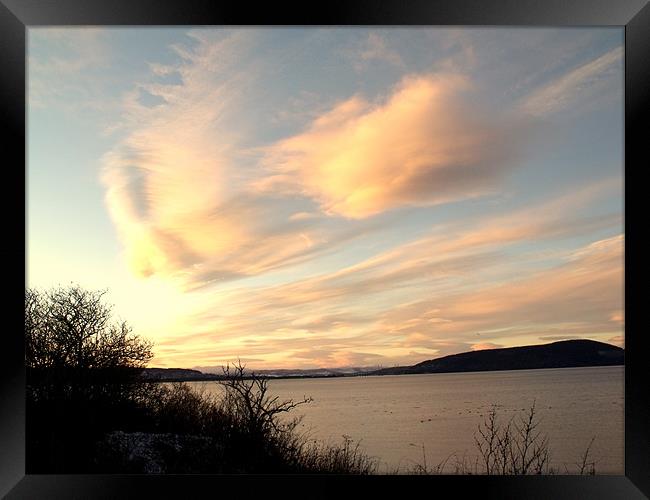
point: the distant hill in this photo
(563, 354)
(175, 374)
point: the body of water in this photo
(396, 418)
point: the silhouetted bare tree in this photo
(256, 410)
(71, 327)
(514, 448)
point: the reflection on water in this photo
(394, 417)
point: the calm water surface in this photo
(394, 417)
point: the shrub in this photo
(71, 328)
(515, 447)
(346, 458)
(245, 430)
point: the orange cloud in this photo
(424, 145)
(571, 298)
(175, 187)
(617, 317)
(369, 306)
(482, 346)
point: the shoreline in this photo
(218, 378)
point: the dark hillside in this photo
(564, 354)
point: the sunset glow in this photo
(302, 198)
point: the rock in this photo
(149, 453)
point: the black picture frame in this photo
(17, 15)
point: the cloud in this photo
(374, 48)
(580, 83)
(184, 188)
(184, 191)
(446, 251)
(195, 197)
(562, 294)
(298, 108)
(578, 292)
(178, 184)
(166, 181)
(440, 294)
(63, 66)
(482, 346)
(617, 317)
(303, 216)
(423, 145)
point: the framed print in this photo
(353, 247)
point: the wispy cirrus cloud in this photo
(574, 297)
(174, 184)
(563, 298)
(166, 179)
(372, 49)
(63, 67)
(580, 83)
(470, 278)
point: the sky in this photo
(331, 197)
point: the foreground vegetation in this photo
(89, 411)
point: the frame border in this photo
(17, 15)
